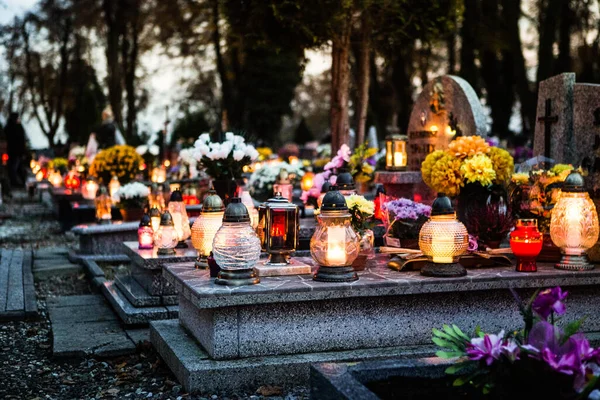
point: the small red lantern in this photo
(72, 181)
(526, 243)
(190, 200)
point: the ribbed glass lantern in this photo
(89, 189)
(443, 239)
(180, 218)
(249, 203)
(206, 226)
(155, 218)
(165, 238)
(334, 245)
(236, 247)
(103, 204)
(574, 224)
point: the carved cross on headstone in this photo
(548, 119)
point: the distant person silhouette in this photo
(107, 135)
(16, 148)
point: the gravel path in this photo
(27, 368)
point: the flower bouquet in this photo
(189, 164)
(121, 161)
(477, 174)
(541, 360)
(224, 161)
(262, 180)
(405, 218)
(362, 211)
(131, 198)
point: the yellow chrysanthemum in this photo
(122, 161)
(446, 176)
(468, 146)
(363, 205)
(503, 164)
(560, 168)
(478, 169)
(520, 178)
(428, 163)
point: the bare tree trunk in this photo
(129, 66)
(548, 20)
(468, 69)
(340, 86)
(64, 68)
(113, 35)
(512, 13)
(563, 63)
(226, 95)
(364, 74)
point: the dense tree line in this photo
(382, 52)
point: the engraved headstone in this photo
(567, 114)
(448, 106)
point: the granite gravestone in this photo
(567, 128)
(447, 107)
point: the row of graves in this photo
(240, 293)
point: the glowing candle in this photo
(336, 245)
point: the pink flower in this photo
(487, 348)
(510, 350)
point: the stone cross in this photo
(548, 119)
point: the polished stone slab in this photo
(384, 308)
(150, 259)
(199, 374)
(295, 267)
(17, 291)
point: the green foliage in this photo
(450, 338)
(189, 127)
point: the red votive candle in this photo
(526, 243)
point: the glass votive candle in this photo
(526, 243)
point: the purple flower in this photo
(405, 209)
(473, 244)
(487, 348)
(566, 363)
(510, 350)
(548, 301)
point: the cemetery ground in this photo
(28, 368)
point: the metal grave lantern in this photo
(574, 224)
(395, 153)
(280, 229)
(206, 226)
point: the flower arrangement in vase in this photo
(405, 220)
(477, 174)
(131, 199)
(541, 360)
(362, 211)
(121, 161)
(224, 161)
(262, 180)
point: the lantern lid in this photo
(166, 219)
(334, 201)
(154, 212)
(395, 136)
(236, 211)
(326, 186)
(574, 183)
(279, 201)
(212, 203)
(145, 221)
(102, 191)
(345, 181)
(442, 205)
(176, 196)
